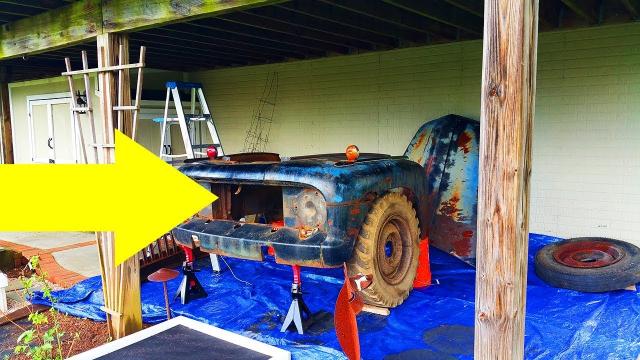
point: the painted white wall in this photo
(148, 132)
(586, 151)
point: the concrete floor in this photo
(82, 260)
(47, 240)
(77, 253)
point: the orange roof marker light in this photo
(352, 153)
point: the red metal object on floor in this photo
(423, 275)
(190, 288)
(163, 275)
(587, 254)
(348, 305)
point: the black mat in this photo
(181, 342)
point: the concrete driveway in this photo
(66, 257)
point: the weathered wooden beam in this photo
(582, 9)
(130, 15)
(51, 29)
(5, 118)
(441, 13)
(83, 20)
(506, 119)
(121, 284)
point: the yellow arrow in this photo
(140, 197)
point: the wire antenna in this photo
(257, 137)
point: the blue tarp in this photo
(433, 323)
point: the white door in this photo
(52, 130)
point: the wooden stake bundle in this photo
(120, 284)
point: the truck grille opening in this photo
(254, 203)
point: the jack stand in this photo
(190, 288)
(298, 308)
(215, 264)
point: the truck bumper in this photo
(250, 241)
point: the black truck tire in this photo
(387, 248)
(589, 264)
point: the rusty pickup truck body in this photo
(310, 210)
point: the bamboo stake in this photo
(76, 118)
(87, 88)
(138, 93)
(120, 81)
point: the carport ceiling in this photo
(305, 29)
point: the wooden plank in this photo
(21, 313)
(52, 29)
(5, 118)
(129, 15)
(507, 103)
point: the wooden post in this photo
(507, 101)
(121, 284)
(6, 141)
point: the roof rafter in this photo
(447, 15)
(393, 15)
(475, 7)
(340, 16)
(633, 7)
(582, 10)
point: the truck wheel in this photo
(589, 264)
(387, 248)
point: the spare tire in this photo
(589, 264)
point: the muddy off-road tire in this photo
(387, 248)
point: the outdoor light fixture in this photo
(81, 101)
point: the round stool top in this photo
(163, 275)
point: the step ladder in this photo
(190, 124)
(190, 130)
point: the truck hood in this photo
(338, 180)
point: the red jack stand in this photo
(298, 308)
(190, 288)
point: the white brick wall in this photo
(586, 153)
